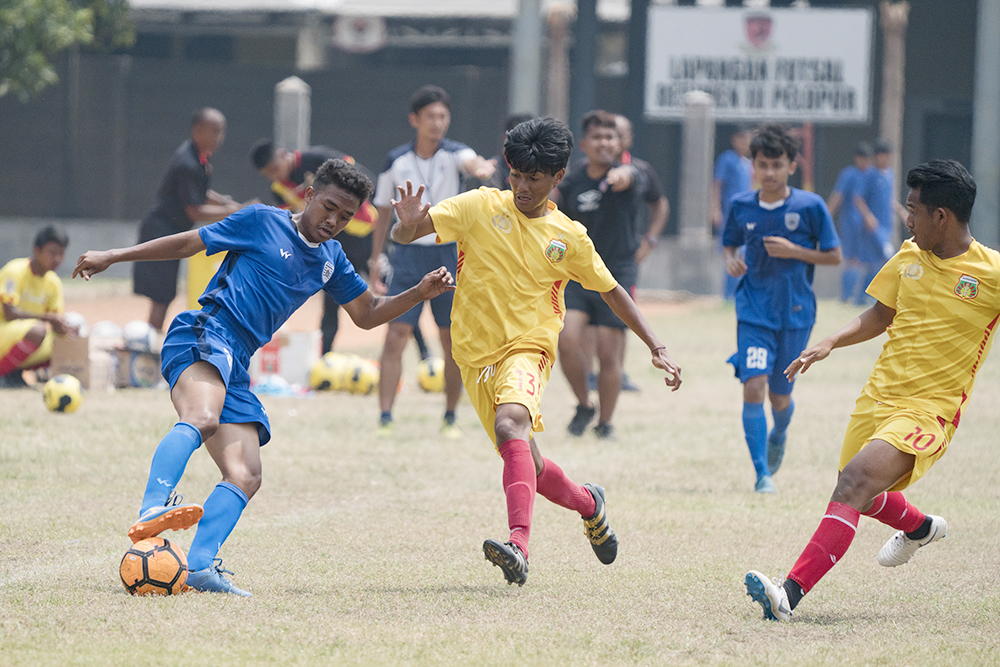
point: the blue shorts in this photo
(410, 263)
(194, 335)
(769, 352)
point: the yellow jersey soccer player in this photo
(939, 299)
(516, 252)
(32, 298)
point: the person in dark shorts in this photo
(607, 198)
(183, 200)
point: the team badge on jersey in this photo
(327, 272)
(556, 251)
(792, 221)
(503, 223)
(914, 271)
(967, 287)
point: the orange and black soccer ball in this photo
(154, 566)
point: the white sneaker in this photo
(770, 594)
(900, 548)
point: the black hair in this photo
(598, 118)
(863, 149)
(774, 141)
(539, 145)
(516, 119)
(346, 177)
(944, 184)
(882, 146)
(426, 95)
(51, 234)
(262, 153)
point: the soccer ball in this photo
(139, 336)
(362, 377)
(430, 374)
(154, 566)
(327, 372)
(62, 394)
(75, 319)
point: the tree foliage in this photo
(34, 32)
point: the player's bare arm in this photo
(869, 324)
(175, 246)
(479, 167)
(620, 178)
(368, 311)
(659, 211)
(215, 211)
(871, 222)
(624, 307)
(735, 265)
(55, 320)
(779, 246)
(414, 221)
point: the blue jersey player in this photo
(276, 261)
(786, 232)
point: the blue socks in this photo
(222, 510)
(169, 462)
(781, 421)
(755, 430)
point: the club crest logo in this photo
(757, 28)
(503, 223)
(914, 271)
(327, 272)
(556, 251)
(792, 221)
(967, 287)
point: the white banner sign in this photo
(773, 64)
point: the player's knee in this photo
(853, 489)
(247, 479)
(395, 341)
(511, 425)
(36, 334)
(205, 421)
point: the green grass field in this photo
(364, 551)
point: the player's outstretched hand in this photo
(817, 352)
(619, 178)
(485, 169)
(410, 208)
(434, 283)
(663, 361)
(92, 262)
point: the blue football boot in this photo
(212, 580)
(170, 516)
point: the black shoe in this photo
(605, 431)
(582, 417)
(13, 380)
(507, 557)
(596, 528)
(628, 384)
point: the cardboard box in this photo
(135, 369)
(288, 354)
(75, 356)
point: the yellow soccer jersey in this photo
(512, 274)
(34, 294)
(946, 314)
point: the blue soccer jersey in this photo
(734, 174)
(849, 222)
(271, 270)
(777, 293)
(876, 190)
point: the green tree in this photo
(34, 32)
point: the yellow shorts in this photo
(519, 377)
(12, 333)
(910, 431)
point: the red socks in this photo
(828, 545)
(519, 484)
(893, 510)
(17, 356)
(554, 485)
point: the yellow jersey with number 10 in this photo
(512, 274)
(946, 317)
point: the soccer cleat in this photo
(580, 420)
(765, 485)
(507, 557)
(900, 548)
(385, 427)
(771, 596)
(212, 580)
(605, 431)
(596, 528)
(775, 451)
(450, 430)
(170, 516)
